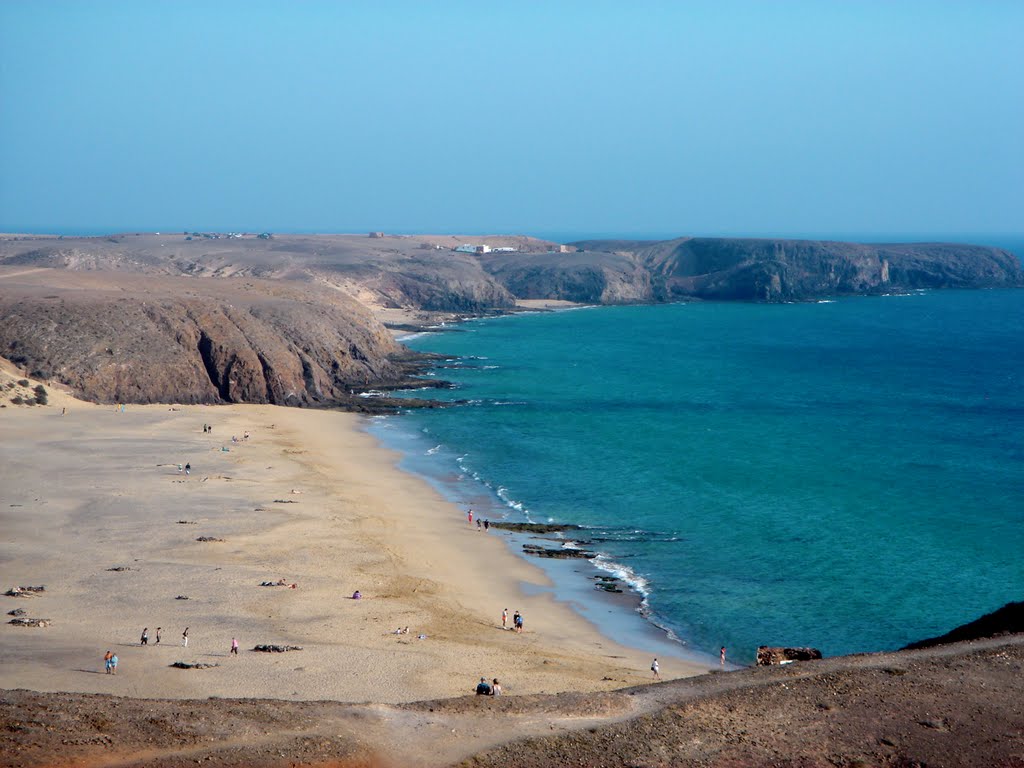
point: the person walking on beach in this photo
(470, 515)
(479, 524)
(487, 525)
(517, 620)
(145, 636)
(157, 636)
(184, 638)
(234, 645)
(504, 618)
(106, 661)
(654, 669)
(721, 657)
(113, 664)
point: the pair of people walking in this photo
(110, 662)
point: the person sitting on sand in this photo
(188, 469)
(357, 595)
(482, 688)
(495, 687)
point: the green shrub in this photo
(23, 382)
(17, 400)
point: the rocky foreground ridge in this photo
(296, 319)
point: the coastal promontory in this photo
(302, 319)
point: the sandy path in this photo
(98, 489)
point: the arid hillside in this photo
(296, 319)
(959, 706)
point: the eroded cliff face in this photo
(617, 271)
(118, 339)
(169, 318)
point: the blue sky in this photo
(759, 118)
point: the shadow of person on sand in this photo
(90, 671)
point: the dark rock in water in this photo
(538, 551)
(607, 583)
(768, 655)
(1007, 620)
(31, 622)
(196, 665)
(535, 527)
(277, 648)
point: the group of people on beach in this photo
(517, 620)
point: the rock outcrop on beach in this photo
(295, 320)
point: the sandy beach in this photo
(308, 498)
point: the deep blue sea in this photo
(847, 475)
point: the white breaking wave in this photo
(432, 451)
(627, 575)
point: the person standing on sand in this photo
(504, 618)
(113, 664)
(654, 669)
(234, 645)
(517, 620)
(188, 468)
(721, 656)
(157, 636)
(106, 661)
(184, 638)
(470, 515)
(145, 636)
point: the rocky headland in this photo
(304, 319)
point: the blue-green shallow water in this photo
(846, 475)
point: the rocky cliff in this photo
(133, 338)
(608, 271)
(290, 319)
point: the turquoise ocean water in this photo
(847, 475)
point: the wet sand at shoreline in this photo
(308, 498)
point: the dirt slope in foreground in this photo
(959, 705)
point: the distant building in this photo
(376, 234)
(505, 249)
(483, 249)
(265, 236)
(468, 248)
(561, 249)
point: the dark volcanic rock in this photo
(535, 527)
(1007, 620)
(768, 656)
(567, 554)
